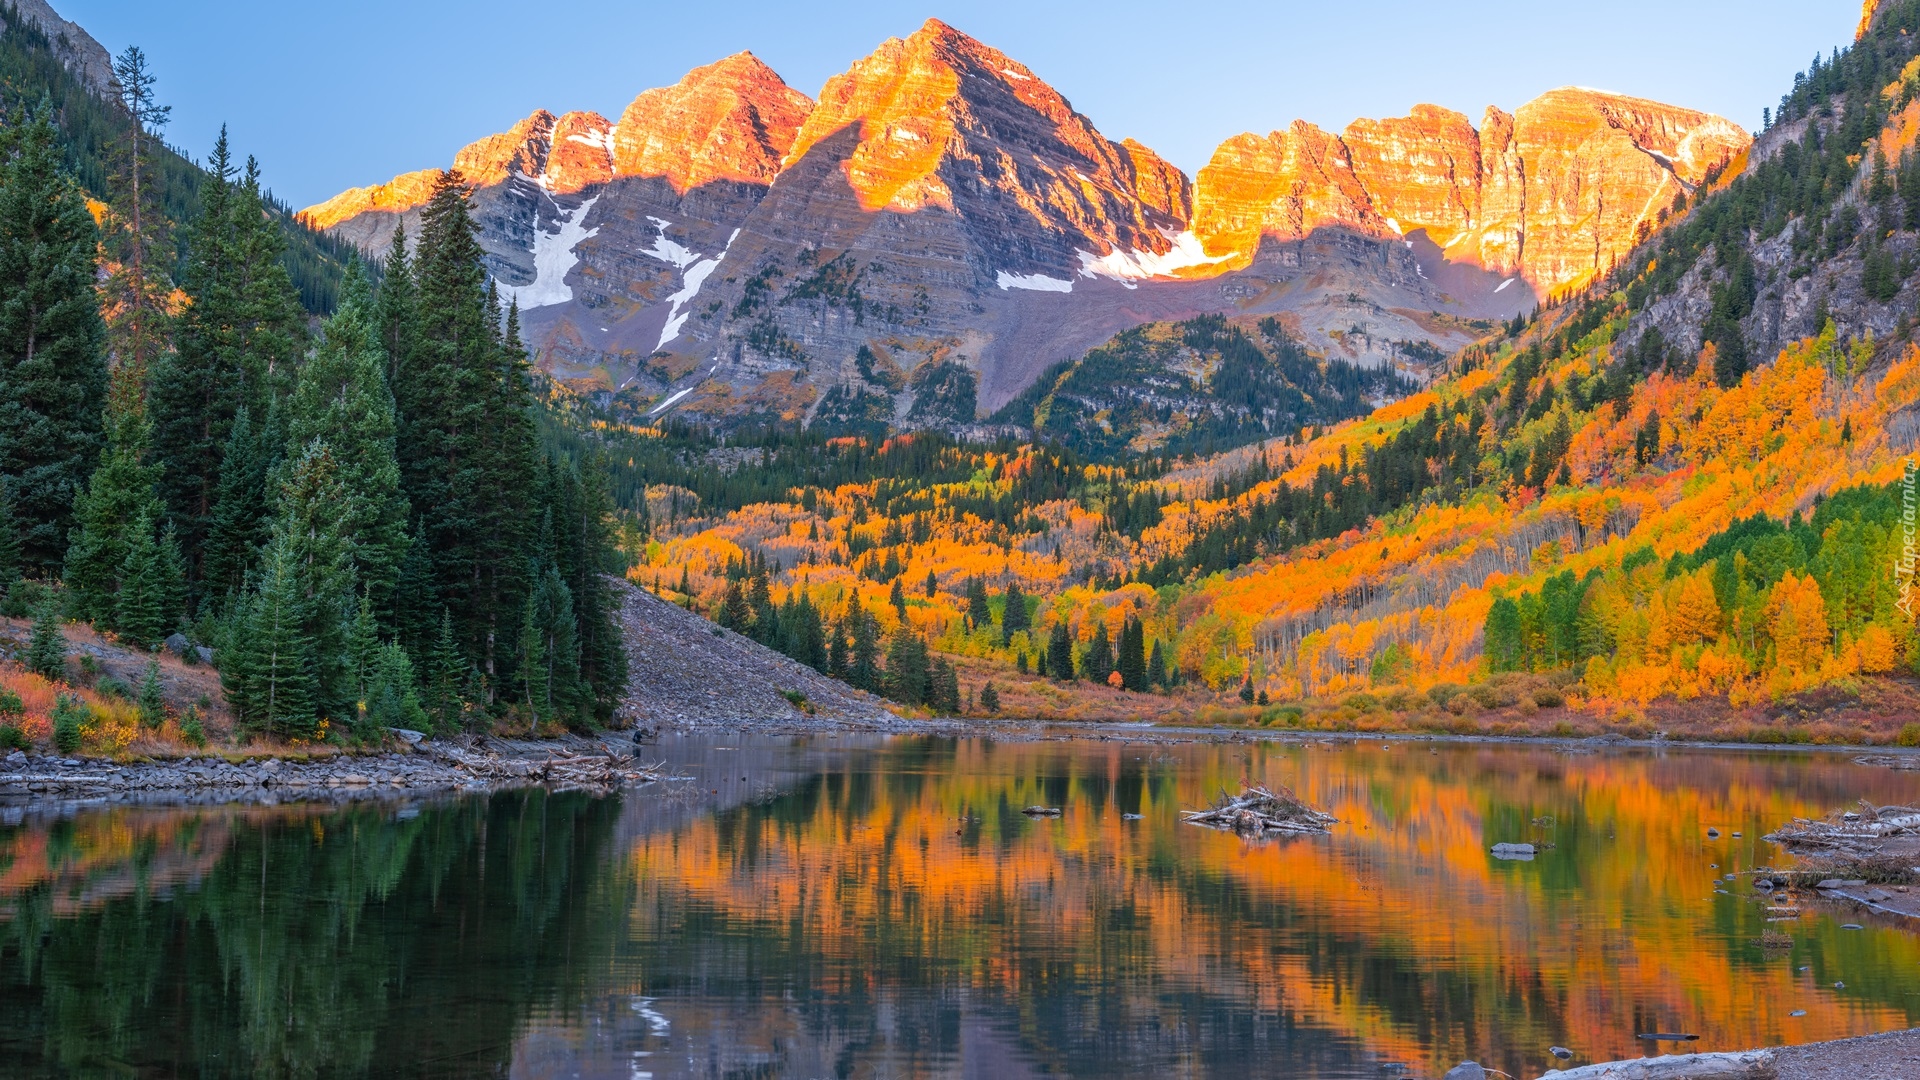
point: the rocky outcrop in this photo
(79, 53)
(733, 120)
(1552, 194)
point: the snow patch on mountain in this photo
(553, 260)
(1035, 282)
(1128, 267)
(666, 250)
(691, 278)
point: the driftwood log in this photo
(1860, 832)
(565, 772)
(1259, 810)
(1752, 1065)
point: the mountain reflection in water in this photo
(860, 907)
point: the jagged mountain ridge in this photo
(735, 249)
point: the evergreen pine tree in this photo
(764, 626)
(735, 615)
(949, 693)
(1132, 661)
(396, 308)
(979, 611)
(419, 616)
(584, 551)
(47, 646)
(549, 652)
(446, 677)
(307, 531)
(1013, 618)
(341, 398)
(236, 341)
(907, 671)
(989, 699)
(153, 705)
(117, 511)
(269, 676)
(136, 290)
(240, 515)
(1060, 653)
(9, 542)
(363, 653)
(392, 699)
(1099, 659)
(863, 655)
(466, 441)
(53, 367)
(837, 646)
(138, 612)
(537, 698)
(1157, 666)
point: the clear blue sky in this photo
(349, 92)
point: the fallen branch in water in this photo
(1259, 810)
(1859, 832)
(561, 771)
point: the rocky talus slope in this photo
(683, 671)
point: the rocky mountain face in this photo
(79, 53)
(1552, 194)
(1819, 227)
(943, 226)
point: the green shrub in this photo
(68, 714)
(1402, 700)
(12, 738)
(1362, 702)
(11, 708)
(1548, 698)
(109, 686)
(25, 598)
(191, 728)
(47, 650)
(1442, 693)
(1909, 735)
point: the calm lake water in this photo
(868, 908)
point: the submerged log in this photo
(1259, 810)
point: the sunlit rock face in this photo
(731, 120)
(942, 226)
(1552, 194)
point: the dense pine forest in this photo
(356, 513)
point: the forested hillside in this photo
(97, 133)
(360, 518)
(1680, 484)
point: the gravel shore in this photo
(1893, 1055)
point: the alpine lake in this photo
(878, 907)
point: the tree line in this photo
(359, 516)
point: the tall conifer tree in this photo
(341, 398)
(53, 366)
(118, 511)
(138, 284)
(238, 339)
(466, 435)
(307, 527)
